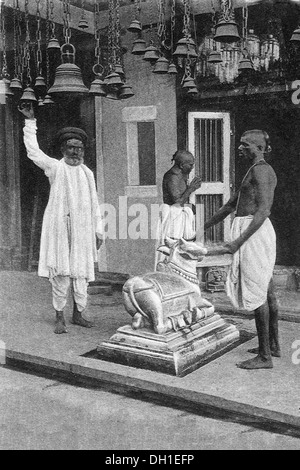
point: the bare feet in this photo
(257, 363)
(79, 320)
(60, 324)
(274, 352)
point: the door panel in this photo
(209, 141)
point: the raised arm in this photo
(34, 152)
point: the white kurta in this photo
(72, 216)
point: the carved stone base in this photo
(176, 353)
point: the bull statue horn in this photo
(164, 249)
(169, 242)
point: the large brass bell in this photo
(245, 64)
(227, 31)
(119, 69)
(53, 44)
(112, 95)
(185, 47)
(48, 100)
(172, 70)
(28, 95)
(296, 36)
(192, 91)
(215, 57)
(138, 47)
(161, 65)
(135, 26)
(15, 84)
(97, 87)
(125, 92)
(113, 79)
(151, 54)
(68, 78)
(5, 87)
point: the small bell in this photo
(28, 95)
(125, 92)
(227, 31)
(5, 87)
(172, 70)
(53, 44)
(296, 36)
(245, 64)
(185, 47)
(15, 84)
(151, 54)
(48, 100)
(83, 24)
(119, 69)
(113, 79)
(135, 26)
(40, 102)
(192, 91)
(97, 87)
(138, 47)
(215, 57)
(189, 82)
(39, 82)
(161, 66)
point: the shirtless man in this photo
(249, 281)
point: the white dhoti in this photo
(60, 288)
(252, 266)
(174, 222)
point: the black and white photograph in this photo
(149, 227)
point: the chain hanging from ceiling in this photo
(16, 83)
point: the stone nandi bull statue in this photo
(170, 298)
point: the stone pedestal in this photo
(176, 352)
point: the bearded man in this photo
(72, 228)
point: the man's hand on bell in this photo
(196, 183)
(26, 109)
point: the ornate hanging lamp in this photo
(226, 28)
(68, 78)
(52, 43)
(83, 23)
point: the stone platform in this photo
(176, 352)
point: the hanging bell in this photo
(39, 82)
(185, 47)
(83, 24)
(172, 70)
(97, 87)
(245, 64)
(215, 57)
(53, 44)
(119, 69)
(125, 92)
(192, 91)
(113, 79)
(40, 102)
(227, 31)
(138, 47)
(15, 84)
(135, 26)
(5, 87)
(296, 36)
(161, 66)
(48, 100)
(28, 95)
(189, 82)
(68, 78)
(151, 54)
